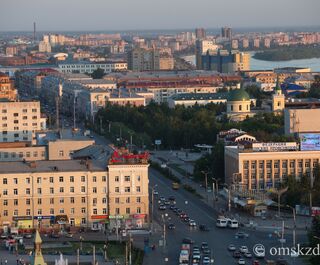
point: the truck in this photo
(175, 185)
(184, 257)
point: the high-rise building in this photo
(44, 46)
(224, 61)
(226, 33)
(144, 59)
(256, 43)
(245, 43)
(235, 44)
(267, 42)
(11, 50)
(200, 33)
(202, 47)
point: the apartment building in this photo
(90, 67)
(7, 90)
(267, 165)
(20, 120)
(88, 193)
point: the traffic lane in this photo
(217, 239)
(225, 236)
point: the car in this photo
(203, 227)
(162, 207)
(204, 245)
(241, 261)
(196, 249)
(175, 209)
(248, 255)
(3, 236)
(183, 215)
(236, 254)
(162, 198)
(196, 255)
(179, 211)
(255, 262)
(171, 226)
(69, 235)
(231, 247)
(167, 202)
(155, 192)
(172, 198)
(192, 223)
(172, 207)
(206, 251)
(243, 249)
(281, 261)
(241, 235)
(187, 240)
(206, 260)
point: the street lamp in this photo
(294, 225)
(205, 173)
(81, 239)
(216, 190)
(152, 205)
(164, 229)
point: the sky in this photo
(84, 15)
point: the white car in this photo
(206, 260)
(243, 249)
(231, 247)
(241, 262)
(248, 255)
(155, 192)
(192, 223)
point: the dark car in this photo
(187, 240)
(236, 254)
(203, 227)
(183, 215)
(241, 235)
(281, 262)
(204, 245)
(186, 219)
(171, 226)
(172, 207)
(172, 198)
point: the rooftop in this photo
(63, 134)
(200, 96)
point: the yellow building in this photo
(278, 99)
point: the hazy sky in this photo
(155, 14)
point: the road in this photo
(217, 238)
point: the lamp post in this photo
(216, 181)
(152, 205)
(164, 230)
(294, 225)
(205, 173)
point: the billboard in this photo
(310, 141)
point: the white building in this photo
(90, 67)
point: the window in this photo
(240, 107)
(61, 179)
(83, 210)
(117, 210)
(15, 191)
(127, 210)
(95, 211)
(51, 200)
(71, 178)
(128, 200)
(116, 189)
(15, 202)
(5, 202)
(83, 189)
(127, 189)
(15, 212)
(83, 199)
(51, 190)
(138, 210)
(94, 201)
(231, 107)
(138, 178)
(138, 188)
(138, 199)
(5, 192)
(5, 213)
(52, 211)
(34, 110)
(28, 180)
(39, 201)
(28, 212)
(4, 111)
(72, 189)
(83, 221)
(83, 178)
(126, 178)
(39, 211)
(15, 181)
(104, 200)
(104, 210)
(38, 180)
(61, 200)
(116, 178)
(104, 178)
(5, 181)
(117, 200)
(71, 199)
(51, 179)
(61, 189)
(94, 179)
(94, 189)
(61, 211)
(39, 191)
(61, 153)
(28, 202)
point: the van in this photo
(232, 223)
(221, 222)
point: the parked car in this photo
(236, 254)
(162, 207)
(187, 240)
(204, 245)
(241, 235)
(241, 261)
(255, 262)
(248, 255)
(172, 198)
(206, 260)
(171, 226)
(243, 249)
(231, 247)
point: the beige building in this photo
(301, 120)
(241, 61)
(266, 165)
(19, 151)
(90, 193)
(144, 59)
(166, 63)
(278, 100)
(20, 120)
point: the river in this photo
(255, 64)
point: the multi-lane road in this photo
(217, 238)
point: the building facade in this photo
(90, 67)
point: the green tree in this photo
(98, 73)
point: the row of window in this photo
(21, 154)
(128, 210)
(51, 179)
(61, 200)
(51, 190)
(5, 125)
(276, 164)
(127, 189)
(126, 178)
(17, 114)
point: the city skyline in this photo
(142, 14)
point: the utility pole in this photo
(206, 182)
(126, 258)
(130, 250)
(78, 257)
(94, 255)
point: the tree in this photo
(98, 73)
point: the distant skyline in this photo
(104, 15)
